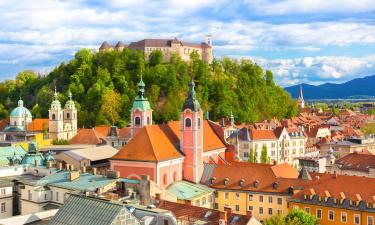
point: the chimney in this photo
(83, 169)
(228, 210)
(223, 218)
(94, 171)
(59, 166)
(249, 214)
(157, 197)
(144, 190)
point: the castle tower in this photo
(301, 101)
(70, 118)
(191, 141)
(141, 112)
(56, 120)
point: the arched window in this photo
(137, 121)
(188, 122)
(68, 115)
(148, 120)
(53, 117)
(199, 123)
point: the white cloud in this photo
(318, 69)
(284, 7)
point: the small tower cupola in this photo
(141, 112)
(56, 103)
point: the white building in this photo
(62, 122)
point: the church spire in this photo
(301, 101)
(191, 102)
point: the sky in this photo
(300, 41)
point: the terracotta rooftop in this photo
(88, 137)
(337, 186)
(3, 124)
(262, 134)
(212, 216)
(38, 125)
(356, 161)
(254, 176)
(161, 142)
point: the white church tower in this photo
(70, 118)
(56, 120)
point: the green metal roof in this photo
(87, 210)
(186, 191)
(141, 103)
(7, 153)
(85, 182)
(20, 111)
(130, 181)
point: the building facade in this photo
(62, 121)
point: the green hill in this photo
(104, 86)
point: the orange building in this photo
(338, 199)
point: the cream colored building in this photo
(62, 122)
(283, 144)
(168, 47)
(6, 199)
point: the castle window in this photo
(137, 121)
(53, 117)
(68, 115)
(188, 122)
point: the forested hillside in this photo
(103, 85)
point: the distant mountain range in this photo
(359, 88)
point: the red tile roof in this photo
(161, 142)
(88, 137)
(356, 161)
(38, 125)
(262, 134)
(103, 130)
(189, 212)
(3, 124)
(266, 175)
(350, 186)
(125, 132)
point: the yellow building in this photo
(338, 199)
(260, 189)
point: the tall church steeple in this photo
(191, 141)
(56, 121)
(301, 101)
(141, 112)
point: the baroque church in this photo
(61, 124)
(169, 152)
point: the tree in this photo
(298, 216)
(264, 155)
(111, 106)
(155, 58)
(368, 128)
(252, 156)
(25, 77)
(294, 217)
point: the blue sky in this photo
(310, 41)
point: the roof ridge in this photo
(149, 140)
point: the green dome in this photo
(70, 103)
(20, 111)
(141, 101)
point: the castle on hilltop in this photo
(167, 47)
